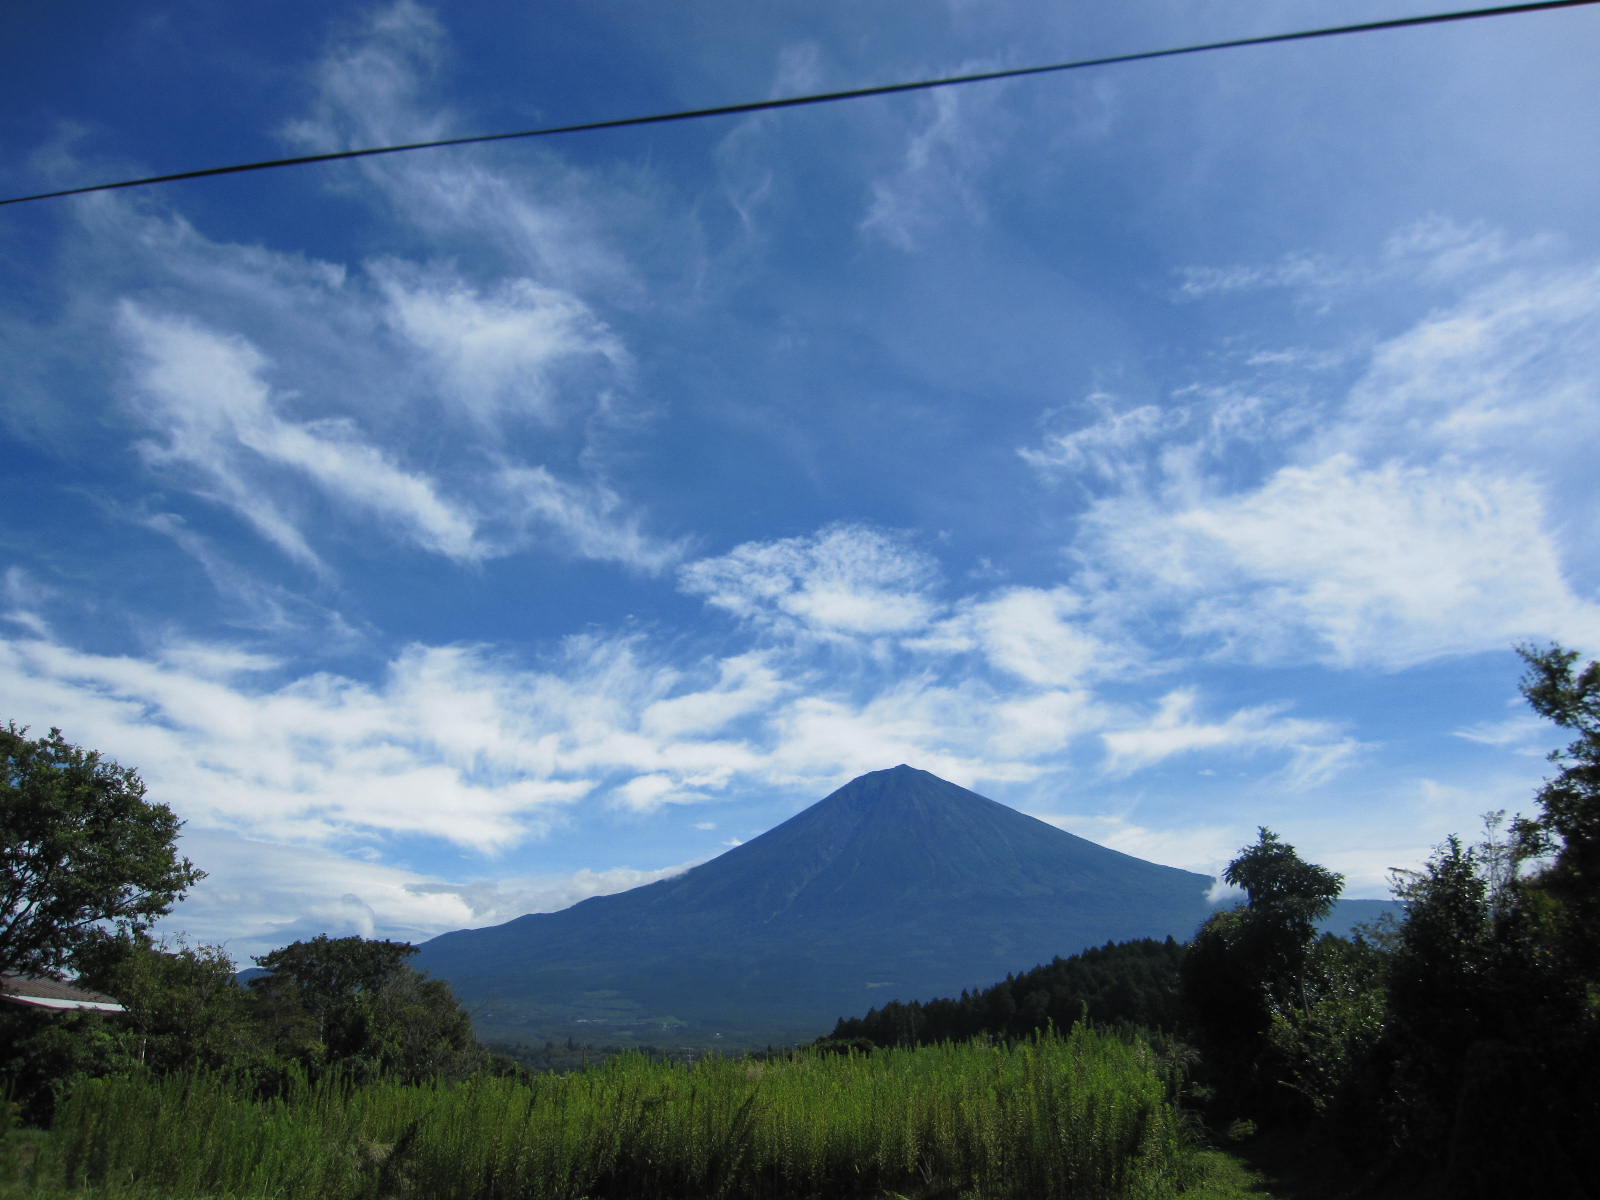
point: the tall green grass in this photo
(1086, 1115)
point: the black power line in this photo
(887, 89)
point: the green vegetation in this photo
(1124, 983)
(1084, 1115)
(1458, 1046)
(81, 851)
(342, 1005)
(1449, 1053)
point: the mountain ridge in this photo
(898, 885)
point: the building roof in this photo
(53, 994)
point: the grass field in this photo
(1085, 1115)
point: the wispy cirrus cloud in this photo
(935, 183)
(205, 398)
(258, 381)
(1507, 376)
(1435, 249)
(1316, 750)
(459, 397)
(381, 83)
(1106, 449)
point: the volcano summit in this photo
(899, 885)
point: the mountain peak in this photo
(899, 884)
(897, 781)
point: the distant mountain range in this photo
(899, 885)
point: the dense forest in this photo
(1121, 983)
(1452, 1051)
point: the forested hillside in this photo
(1128, 983)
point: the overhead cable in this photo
(886, 89)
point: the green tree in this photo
(1264, 944)
(358, 1004)
(1491, 1037)
(184, 1006)
(1285, 897)
(81, 851)
(1569, 822)
(1326, 1046)
(1248, 963)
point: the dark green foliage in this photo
(1570, 802)
(1322, 1052)
(184, 1008)
(357, 1004)
(1490, 1028)
(1128, 983)
(1249, 964)
(81, 850)
(1460, 1045)
(343, 1007)
(42, 1054)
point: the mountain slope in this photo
(899, 885)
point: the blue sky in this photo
(1162, 450)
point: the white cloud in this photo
(1315, 750)
(1521, 734)
(216, 661)
(1349, 566)
(1308, 273)
(1507, 376)
(371, 83)
(746, 684)
(260, 895)
(252, 602)
(1107, 448)
(645, 792)
(844, 581)
(1201, 431)
(500, 353)
(943, 729)
(590, 518)
(319, 759)
(296, 391)
(24, 594)
(1434, 250)
(1043, 725)
(546, 221)
(204, 394)
(1444, 249)
(1045, 637)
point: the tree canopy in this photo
(358, 1003)
(82, 852)
(1560, 692)
(1248, 964)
